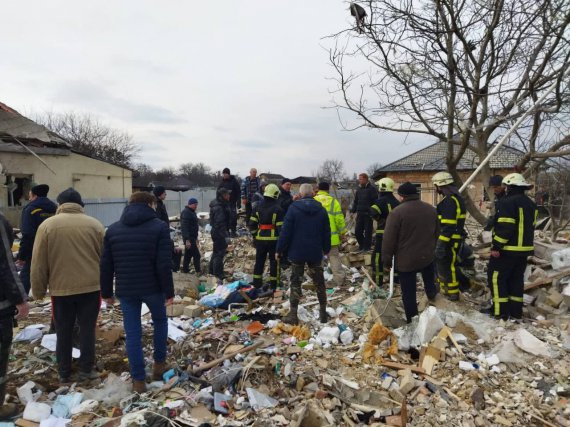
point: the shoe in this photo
(487, 310)
(88, 376)
(291, 318)
(453, 297)
(185, 270)
(139, 387)
(63, 381)
(324, 316)
(158, 369)
(8, 411)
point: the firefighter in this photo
(265, 223)
(513, 242)
(451, 215)
(379, 211)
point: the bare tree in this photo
(370, 170)
(553, 195)
(460, 70)
(331, 170)
(89, 136)
(198, 173)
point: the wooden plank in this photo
(398, 366)
(546, 280)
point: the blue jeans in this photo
(131, 307)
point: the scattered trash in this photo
(259, 400)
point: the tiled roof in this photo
(14, 125)
(432, 158)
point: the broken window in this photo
(18, 186)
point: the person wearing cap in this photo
(37, 211)
(189, 228)
(285, 198)
(13, 306)
(495, 184)
(135, 268)
(66, 255)
(379, 211)
(364, 197)
(220, 215)
(249, 186)
(338, 230)
(451, 213)
(513, 242)
(230, 182)
(265, 224)
(410, 236)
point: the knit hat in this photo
(495, 181)
(158, 190)
(407, 189)
(285, 180)
(69, 196)
(226, 170)
(40, 190)
(325, 186)
(192, 201)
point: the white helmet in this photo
(442, 178)
(386, 185)
(516, 179)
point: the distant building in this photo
(296, 182)
(271, 178)
(30, 153)
(419, 167)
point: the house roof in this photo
(432, 158)
(14, 125)
(304, 180)
(272, 176)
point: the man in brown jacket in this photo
(66, 256)
(410, 235)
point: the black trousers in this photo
(233, 217)
(363, 230)
(191, 254)
(264, 249)
(6, 324)
(176, 257)
(247, 212)
(506, 280)
(217, 261)
(377, 267)
(66, 310)
(448, 270)
(408, 285)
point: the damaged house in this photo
(30, 153)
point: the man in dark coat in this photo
(364, 197)
(160, 193)
(410, 236)
(13, 302)
(220, 222)
(37, 211)
(137, 253)
(285, 198)
(229, 182)
(189, 228)
(306, 238)
(499, 191)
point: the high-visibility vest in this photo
(336, 216)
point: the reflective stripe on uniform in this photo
(516, 299)
(449, 221)
(521, 227)
(508, 220)
(36, 210)
(445, 239)
(518, 248)
(500, 239)
(496, 300)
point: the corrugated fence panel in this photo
(176, 200)
(107, 211)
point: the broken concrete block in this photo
(546, 250)
(529, 343)
(561, 259)
(174, 310)
(537, 273)
(407, 383)
(193, 311)
(554, 299)
(478, 398)
(396, 395)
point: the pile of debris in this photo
(241, 366)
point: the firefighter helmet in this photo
(271, 190)
(386, 185)
(516, 179)
(442, 178)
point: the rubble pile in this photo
(241, 366)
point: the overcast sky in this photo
(235, 83)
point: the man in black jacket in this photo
(499, 191)
(189, 229)
(37, 211)
(364, 197)
(160, 193)
(13, 301)
(285, 199)
(220, 222)
(230, 182)
(137, 254)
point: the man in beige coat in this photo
(66, 257)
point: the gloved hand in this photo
(441, 249)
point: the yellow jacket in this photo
(336, 217)
(66, 254)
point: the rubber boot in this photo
(322, 297)
(158, 369)
(291, 317)
(139, 386)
